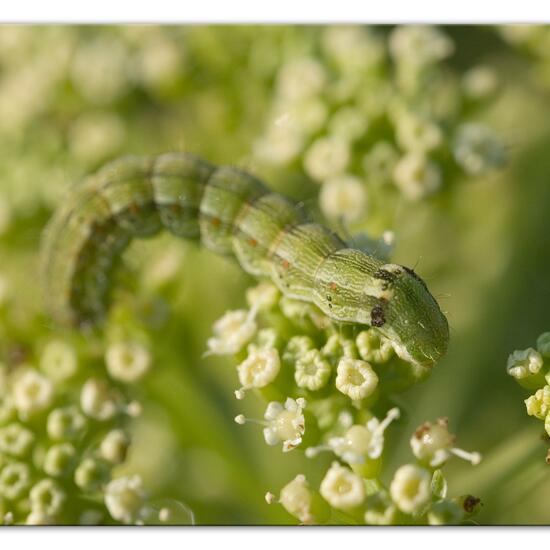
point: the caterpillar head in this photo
(410, 317)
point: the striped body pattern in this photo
(230, 212)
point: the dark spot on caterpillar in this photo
(330, 306)
(329, 297)
(385, 275)
(470, 502)
(377, 316)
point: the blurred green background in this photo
(72, 98)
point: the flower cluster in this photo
(66, 408)
(372, 110)
(417, 493)
(327, 389)
(531, 369)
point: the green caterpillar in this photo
(231, 212)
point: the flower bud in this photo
(127, 361)
(47, 497)
(32, 392)
(65, 423)
(59, 360)
(124, 498)
(232, 332)
(259, 369)
(114, 446)
(355, 378)
(341, 488)
(98, 399)
(410, 488)
(15, 479)
(91, 474)
(312, 370)
(15, 440)
(58, 459)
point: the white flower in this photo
(259, 369)
(341, 488)
(326, 158)
(65, 423)
(312, 370)
(127, 361)
(296, 498)
(15, 440)
(417, 134)
(433, 444)
(232, 332)
(538, 405)
(15, 479)
(58, 458)
(477, 149)
(114, 446)
(353, 48)
(285, 423)
(410, 488)
(301, 78)
(419, 44)
(98, 399)
(91, 474)
(59, 360)
(360, 442)
(355, 378)
(47, 497)
(524, 363)
(344, 198)
(479, 82)
(416, 176)
(32, 392)
(124, 498)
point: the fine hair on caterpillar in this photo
(230, 212)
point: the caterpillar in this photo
(231, 212)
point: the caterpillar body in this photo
(231, 212)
